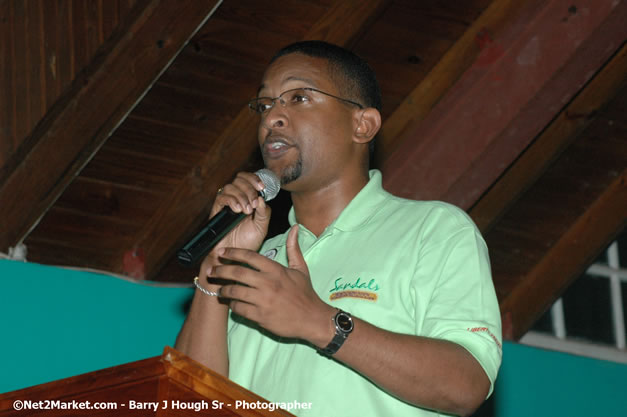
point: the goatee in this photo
(292, 172)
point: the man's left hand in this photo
(280, 299)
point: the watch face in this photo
(344, 322)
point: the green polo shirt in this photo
(411, 267)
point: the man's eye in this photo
(299, 98)
(263, 107)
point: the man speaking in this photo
(369, 305)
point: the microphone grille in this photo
(272, 183)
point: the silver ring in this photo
(220, 190)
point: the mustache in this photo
(272, 137)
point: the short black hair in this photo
(352, 75)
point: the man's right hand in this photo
(203, 336)
(241, 195)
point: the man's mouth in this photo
(275, 147)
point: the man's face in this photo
(306, 142)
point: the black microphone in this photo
(223, 222)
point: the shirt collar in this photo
(361, 208)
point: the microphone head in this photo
(272, 183)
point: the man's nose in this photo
(276, 116)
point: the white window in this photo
(589, 319)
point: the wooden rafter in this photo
(419, 102)
(514, 88)
(562, 131)
(97, 101)
(526, 294)
(536, 290)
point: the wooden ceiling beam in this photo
(346, 21)
(566, 259)
(94, 105)
(177, 218)
(551, 142)
(461, 56)
(521, 79)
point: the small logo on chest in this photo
(271, 254)
(362, 289)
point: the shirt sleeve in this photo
(463, 307)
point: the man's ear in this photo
(368, 123)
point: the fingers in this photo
(262, 212)
(243, 282)
(241, 300)
(294, 255)
(242, 195)
(243, 256)
(236, 273)
(237, 292)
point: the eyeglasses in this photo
(294, 97)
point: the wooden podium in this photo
(168, 385)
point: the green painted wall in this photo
(58, 323)
(534, 382)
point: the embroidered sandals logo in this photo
(365, 290)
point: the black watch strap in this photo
(343, 327)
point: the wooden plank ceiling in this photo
(120, 120)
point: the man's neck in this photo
(318, 209)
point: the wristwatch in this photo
(343, 327)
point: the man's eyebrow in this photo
(291, 78)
